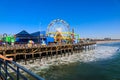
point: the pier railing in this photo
(13, 71)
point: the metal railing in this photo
(13, 71)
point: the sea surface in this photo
(103, 63)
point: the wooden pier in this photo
(38, 51)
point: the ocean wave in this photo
(99, 53)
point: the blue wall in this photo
(49, 40)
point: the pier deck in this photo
(39, 51)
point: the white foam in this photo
(100, 53)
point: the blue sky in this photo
(89, 18)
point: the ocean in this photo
(103, 63)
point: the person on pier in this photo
(5, 58)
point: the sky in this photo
(89, 18)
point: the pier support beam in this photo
(33, 57)
(51, 54)
(61, 53)
(71, 51)
(40, 56)
(25, 59)
(64, 52)
(56, 54)
(47, 55)
(68, 51)
(15, 54)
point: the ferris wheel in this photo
(58, 25)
